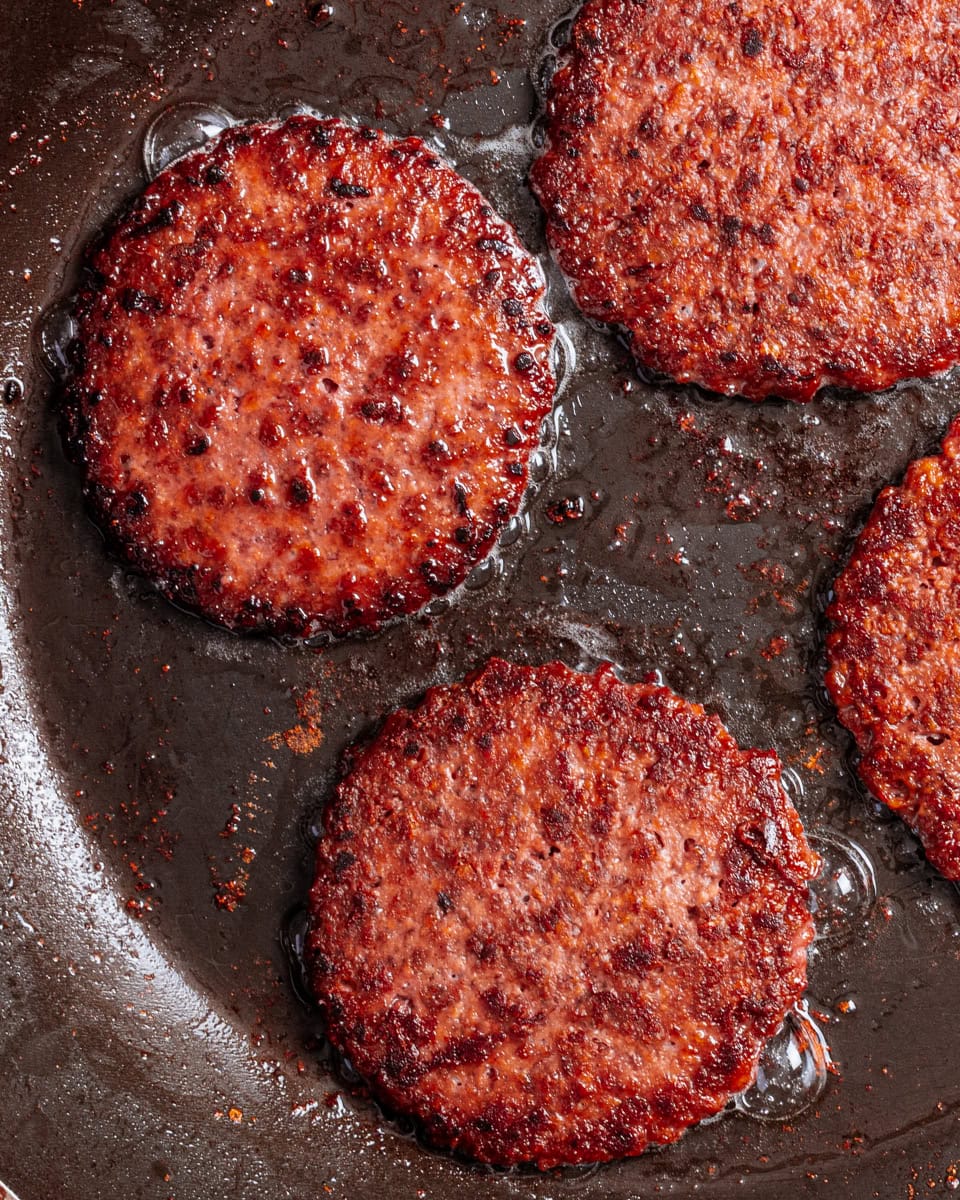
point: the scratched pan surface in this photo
(159, 777)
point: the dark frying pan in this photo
(154, 846)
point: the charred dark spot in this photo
(470, 1050)
(648, 126)
(199, 445)
(343, 861)
(748, 181)
(297, 619)
(635, 956)
(134, 300)
(299, 491)
(242, 137)
(751, 40)
(515, 469)
(557, 823)
(512, 307)
(512, 436)
(347, 191)
(299, 275)
(602, 820)
(214, 175)
(411, 749)
(434, 576)
(766, 235)
(321, 136)
(524, 361)
(462, 535)
(444, 903)
(461, 498)
(437, 449)
(699, 213)
(482, 947)
(544, 328)
(485, 741)
(492, 277)
(163, 218)
(331, 385)
(256, 495)
(727, 357)
(801, 185)
(498, 247)
(314, 359)
(367, 134)
(136, 504)
(730, 230)
(390, 410)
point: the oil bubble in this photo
(57, 333)
(792, 784)
(538, 133)
(295, 108)
(516, 528)
(539, 466)
(483, 574)
(845, 891)
(179, 129)
(436, 607)
(564, 358)
(560, 33)
(544, 73)
(792, 1072)
(293, 940)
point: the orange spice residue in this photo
(774, 648)
(306, 735)
(813, 763)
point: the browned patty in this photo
(313, 366)
(556, 916)
(894, 651)
(764, 195)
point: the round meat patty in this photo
(764, 195)
(556, 916)
(313, 364)
(894, 651)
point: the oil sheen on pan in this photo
(763, 198)
(312, 366)
(159, 813)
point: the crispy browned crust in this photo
(894, 651)
(313, 366)
(763, 195)
(556, 916)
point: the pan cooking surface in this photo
(162, 780)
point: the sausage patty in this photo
(556, 916)
(894, 651)
(763, 195)
(313, 364)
